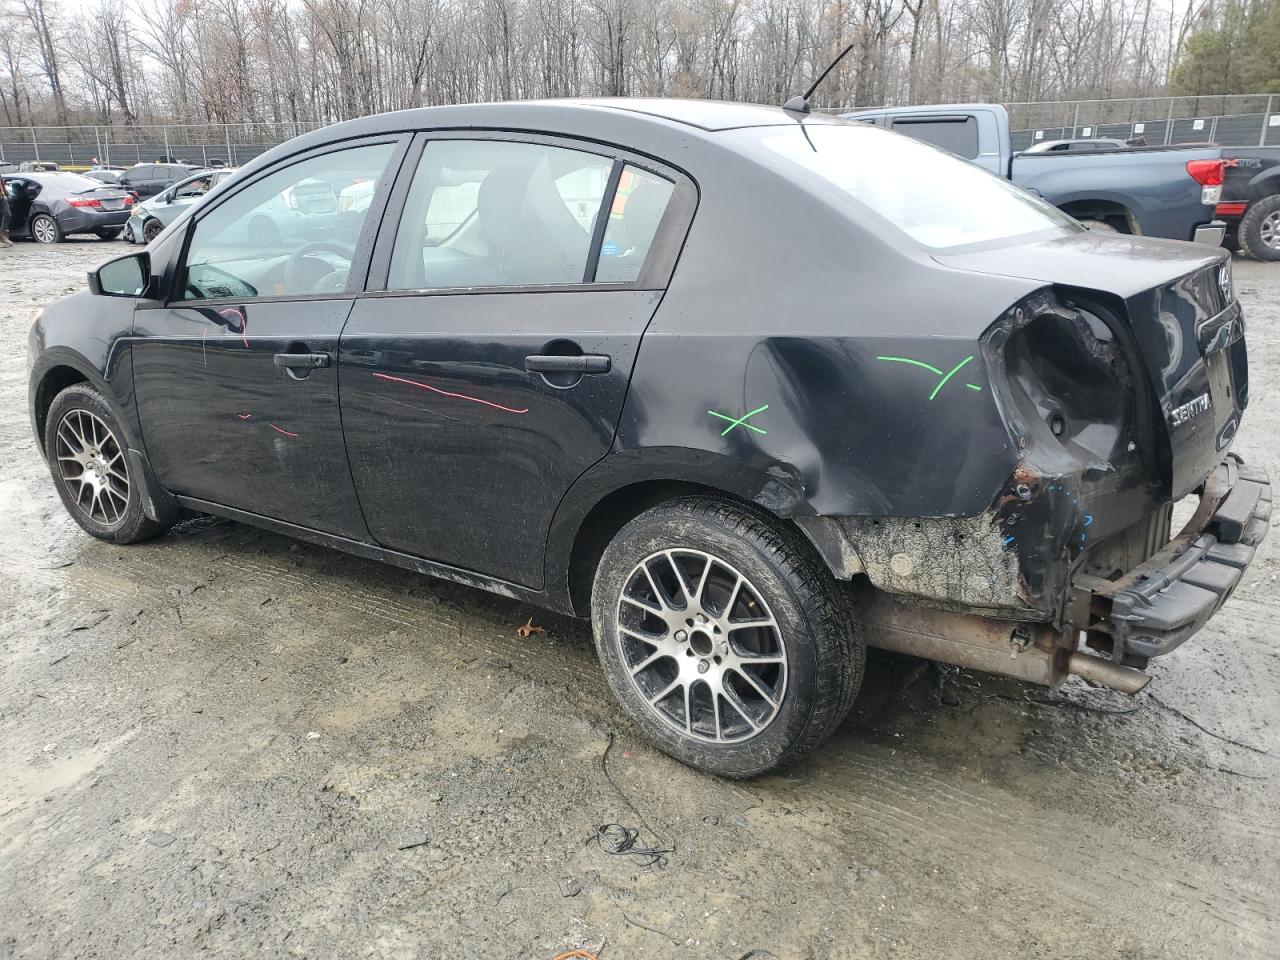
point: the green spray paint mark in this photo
(741, 421)
(936, 372)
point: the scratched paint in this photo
(281, 430)
(741, 421)
(244, 416)
(945, 377)
(448, 393)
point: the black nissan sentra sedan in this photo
(750, 388)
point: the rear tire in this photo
(45, 229)
(88, 457)
(1260, 229)
(740, 700)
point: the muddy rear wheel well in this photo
(54, 382)
(619, 508)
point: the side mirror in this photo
(127, 276)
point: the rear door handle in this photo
(554, 363)
(302, 361)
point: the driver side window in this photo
(293, 232)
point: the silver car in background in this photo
(153, 215)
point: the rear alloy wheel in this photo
(1260, 229)
(45, 229)
(725, 638)
(90, 466)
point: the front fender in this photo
(90, 336)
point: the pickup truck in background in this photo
(1156, 191)
(1250, 202)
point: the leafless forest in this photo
(115, 61)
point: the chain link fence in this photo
(78, 146)
(1232, 121)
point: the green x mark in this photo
(741, 421)
(934, 370)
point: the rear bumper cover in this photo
(1156, 606)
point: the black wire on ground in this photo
(620, 840)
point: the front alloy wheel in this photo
(724, 636)
(88, 456)
(92, 466)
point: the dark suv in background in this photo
(148, 179)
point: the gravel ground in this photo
(226, 743)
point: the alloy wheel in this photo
(1270, 230)
(91, 465)
(701, 646)
(45, 230)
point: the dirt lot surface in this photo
(223, 743)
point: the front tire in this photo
(1260, 229)
(45, 229)
(150, 230)
(724, 637)
(86, 447)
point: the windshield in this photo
(933, 197)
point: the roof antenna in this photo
(801, 104)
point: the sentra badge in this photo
(1189, 410)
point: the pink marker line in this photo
(280, 430)
(244, 416)
(446, 393)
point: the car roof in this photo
(710, 115)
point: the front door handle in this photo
(302, 361)
(555, 363)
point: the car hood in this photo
(1115, 263)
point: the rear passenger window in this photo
(959, 136)
(493, 213)
(637, 210)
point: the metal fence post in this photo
(1266, 119)
(1075, 120)
(34, 145)
(1168, 125)
(168, 151)
(231, 157)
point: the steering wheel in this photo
(293, 277)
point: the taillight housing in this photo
(84, 202)
(1207, 173)
(128, 200)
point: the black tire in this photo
(1260, 229)
(115, 514)
(783, 582)
(1231, 241)
(45, 229)
(108, 233)
(150, 230)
